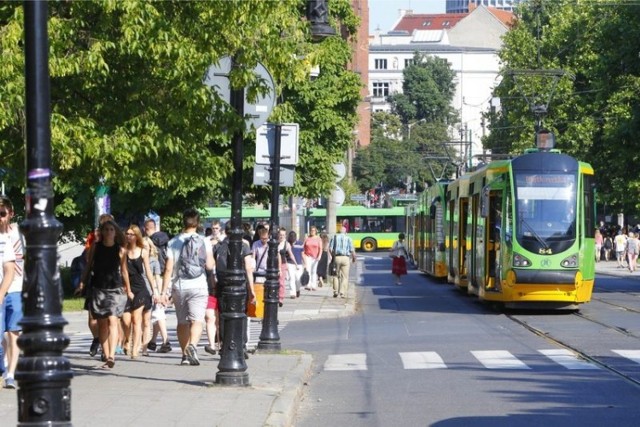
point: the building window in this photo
(408, 62)
(381, 64)
(380, 89)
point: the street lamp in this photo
(232, 369)
(317, 14)
(43, 373)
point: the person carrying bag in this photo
(399, 255)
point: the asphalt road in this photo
(424, 354)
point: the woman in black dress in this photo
(137, 311)
(110, 285)
(323, 264)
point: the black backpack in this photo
(161, 240)
(192, 258)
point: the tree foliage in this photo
(428, 89)
(128, 102)
(595, 114)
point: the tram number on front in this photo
(543, 251)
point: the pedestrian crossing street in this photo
(489, 359)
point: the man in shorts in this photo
(189, 295)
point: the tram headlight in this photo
(570, 261)
(520, 261)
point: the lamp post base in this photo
(269, 346)
(233, 378)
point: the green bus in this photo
(370, 228)
(250, 215)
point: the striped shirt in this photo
(18, 249)
(6, 252)
(343, 245)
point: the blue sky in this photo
(384, 13)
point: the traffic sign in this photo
(266, 143)
(341, 171)
(358, 197)
(256, 113)
(339, 196)
(262, 175)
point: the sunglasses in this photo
(3, 214)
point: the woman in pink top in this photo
(312, 250)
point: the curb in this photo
(283, 410)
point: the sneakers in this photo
(152, 346)
(210, 350)
(165, 347)
(192, 355)
(185, 361)
(95, 345)
(10, 383)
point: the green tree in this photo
(129, 105)
(428, 89)
(595, 114)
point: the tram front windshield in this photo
(546, 211)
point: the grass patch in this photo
(73, 304)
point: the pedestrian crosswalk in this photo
(488, 359)
(81, 341)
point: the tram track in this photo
(546, 335)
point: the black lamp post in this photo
(232, 369)
(318, 15)
(43, 374)
(269, 337)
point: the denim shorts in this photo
(12, 312)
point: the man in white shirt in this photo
(10, 290)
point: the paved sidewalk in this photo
(611, 268)
(157, 391)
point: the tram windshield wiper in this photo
(534, 234)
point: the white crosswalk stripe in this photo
(633, 355)
(346, 362)
(499, 359)
(81, 341)
(422, 360)
(568, 359)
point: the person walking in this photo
(621, 244)
(297, 248)
(288, 266)
(311, 255)
(325, 259)
(343, 251)
(632, 251)
(109, 286)
(137, 317)
(599, 239)
(11, 256)
(399, 255)
(189, 256)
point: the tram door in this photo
(492, 230)
(463, 219)
(476, 236)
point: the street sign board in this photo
(257, 113)
(266, 143)
(262, 175)
(358, 197)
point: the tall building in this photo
(360, 64)
(468, 42)
(463, 6)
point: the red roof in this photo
(504, 16)
(440, 21)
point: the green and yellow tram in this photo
(518, 232)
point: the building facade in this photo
(463, 6)
(471, 48)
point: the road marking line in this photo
(499, 359)
(568, 359)
(346, 362)
(422, 360)
(633, 355)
